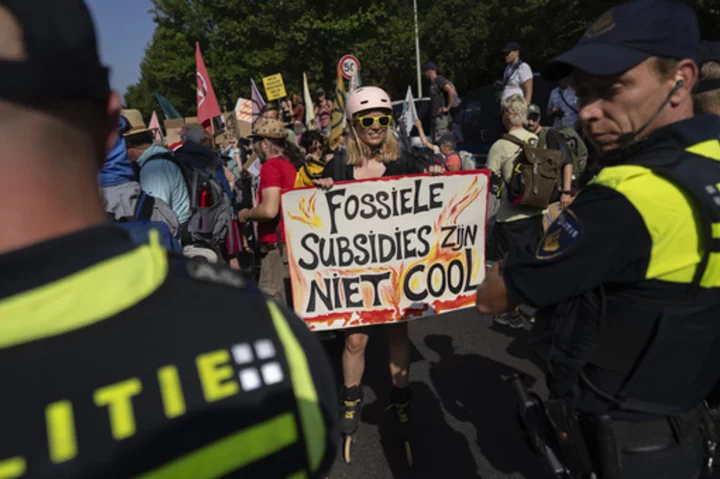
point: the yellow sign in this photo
(274, 87)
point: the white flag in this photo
(309, 106)
(409, 115)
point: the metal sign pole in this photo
(417, 51)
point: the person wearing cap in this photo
(444, 149)
(372, 151)
(281, 161)
(121, 360)
(518, 76)
(628, 277)
(443, 97)
(707, 93)
(552, 139)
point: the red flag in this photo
(208, 107)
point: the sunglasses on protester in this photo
(368, 122)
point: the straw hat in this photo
(269, 128)
(135, 119)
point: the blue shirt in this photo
(163, 179)
(117, 168)
(571, 116)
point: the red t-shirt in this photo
(278, 173)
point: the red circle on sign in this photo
(349, 59)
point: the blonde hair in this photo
(516, 108)
(708, 102)
(357, 150)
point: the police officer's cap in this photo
(625, 35)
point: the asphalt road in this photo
(464, 414)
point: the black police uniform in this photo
(119, 361)
(629, 279)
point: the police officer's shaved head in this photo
(57, 120)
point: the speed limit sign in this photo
(349, 66)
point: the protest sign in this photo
(172, 130)
(243, 116)
(274, 87)
(387, 250)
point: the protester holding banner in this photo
(372, 152)
(280, 162)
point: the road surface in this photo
(465, 417)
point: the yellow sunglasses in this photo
(368, 122)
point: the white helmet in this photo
(367, 98)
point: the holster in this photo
(568, 435)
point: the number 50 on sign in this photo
(349, 66)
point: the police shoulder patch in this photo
(560, 236)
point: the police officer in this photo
(628, 277)
(117, 360)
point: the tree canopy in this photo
(244, 39)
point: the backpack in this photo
(139, 225)
(468, 160)
(576, 146)
(211, 210)
(536, 177)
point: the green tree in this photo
(244, 39)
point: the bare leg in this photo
(353, 358)
(399, 343)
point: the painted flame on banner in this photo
(307, 213)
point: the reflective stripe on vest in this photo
(303, 388)
(672, 220)
(233, 452)
(86, 297)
